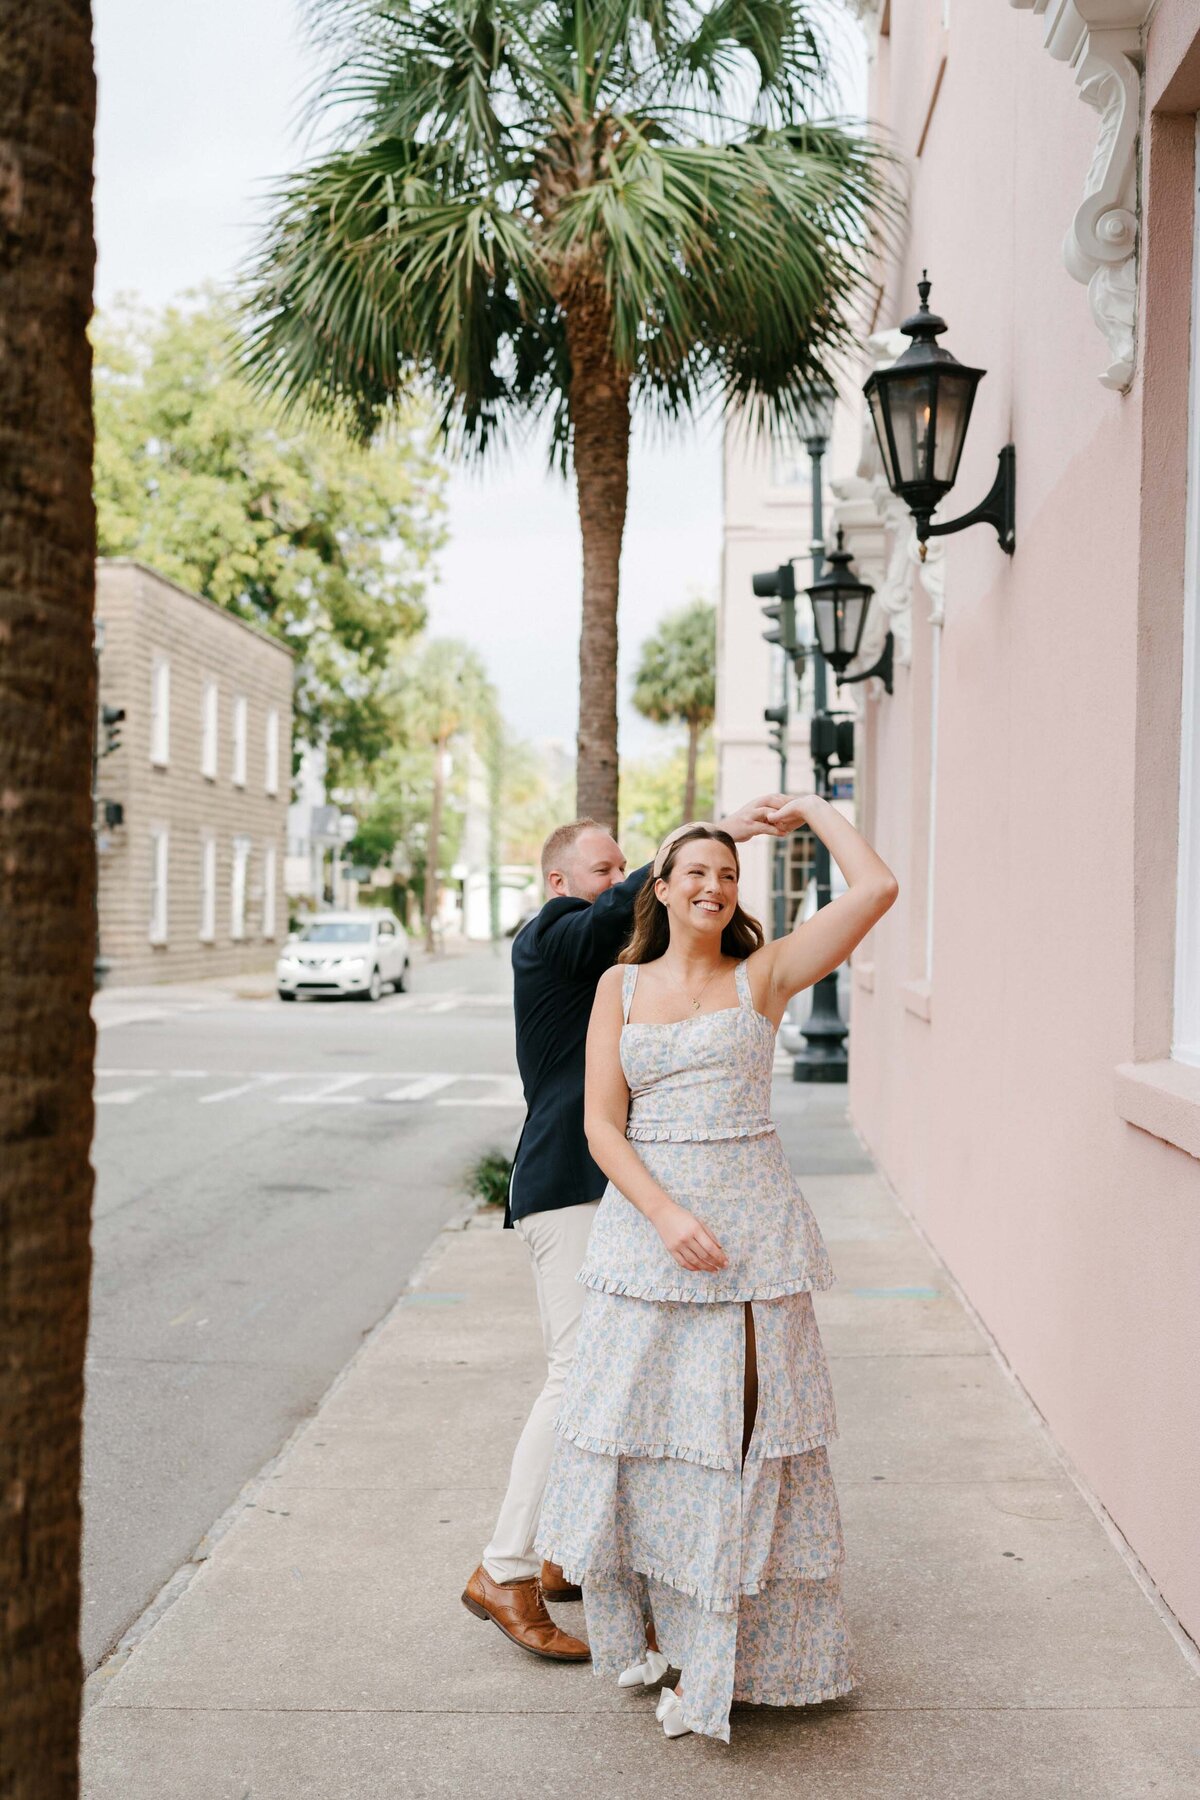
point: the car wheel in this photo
(375, 985)
(402, 979)
(284, 995)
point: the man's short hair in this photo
(561, 840)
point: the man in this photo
(555, 1187)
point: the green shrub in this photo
(488, 1179)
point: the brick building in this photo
(191, 878)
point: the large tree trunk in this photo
(433, 848)
(689, 786)
(47, 874)
(600, 448)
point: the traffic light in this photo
(779, 587)
(845, 742)
(777, 719)
(114, 814)
(112, 718)
(822, 738)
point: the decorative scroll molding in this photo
(1102, 41)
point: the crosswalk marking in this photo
(332, 1093)
(506, 1091)
(243, 1087)
(421, 1087)
(121, 1097)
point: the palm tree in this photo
(445, 694)
(47, 876)
(676, 680)
(569, 208)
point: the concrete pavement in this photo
(320, 1652)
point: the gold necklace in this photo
(694, 998)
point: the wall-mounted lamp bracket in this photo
(883, 668)
(998, 507)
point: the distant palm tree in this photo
(676, 680)
(47, 875)
(569, 207)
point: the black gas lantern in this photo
(840, 601)
(921, 407)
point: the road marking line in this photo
(507, 1091)
(421, 1086)
(243, 1087)
(332, 1094)
(122, 1097)
(441, 1006)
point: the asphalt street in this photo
(268, 1176)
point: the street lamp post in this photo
(823, 1057)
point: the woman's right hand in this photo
(691, 1243)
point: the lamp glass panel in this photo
(854, 612)
(911, 400)
(953, 410)
(875, 398)
(826, 625)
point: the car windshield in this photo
(336, 931)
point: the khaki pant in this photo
(556, 1242)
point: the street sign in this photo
(842, 787)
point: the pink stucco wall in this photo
(1074, 1233)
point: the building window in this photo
(208, 730)
(239, 741)
(237, 891)
(272, 749)
(790, 465)
(1185, 1038)
(268, 919)
(208, 889)
(159, 851)
(160, 710)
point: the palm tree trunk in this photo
(600, 448)
(689, 786)
(47, 875)
(433, 848)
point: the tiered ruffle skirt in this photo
(649, 1506)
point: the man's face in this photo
(592, 864)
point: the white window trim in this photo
(269, 893)
(272, 750)
(1185, 1036)
(240, 736)
(210, 728)
(160, 875)
(239, 881)
(208, 888)
(160, 710)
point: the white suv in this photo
(354, 953)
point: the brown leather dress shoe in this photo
(556, 1587)
(518, 1608)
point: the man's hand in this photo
(755, 818)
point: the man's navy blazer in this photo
(557, 960)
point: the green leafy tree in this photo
(676, 681)
(290, 525)
(571, 208)
(651, 786)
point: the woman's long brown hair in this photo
(651, 927)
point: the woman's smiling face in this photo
(701, 892)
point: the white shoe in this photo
(669, 1713)
(645, 1674)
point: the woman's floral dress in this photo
(648, 1504)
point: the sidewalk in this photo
(320, 1652)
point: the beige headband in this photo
(664, 849)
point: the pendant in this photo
(695, 1006)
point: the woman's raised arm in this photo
(821, 944)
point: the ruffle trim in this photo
(711, 1602)
(687, 1453)
(637, 1289)
(810, 1696)
(773, 1450)
(685, 1134)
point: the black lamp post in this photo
(840, 603)
(921, 407)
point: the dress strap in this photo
(741, 980)
(628, 983)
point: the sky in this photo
(198, 112)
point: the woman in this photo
(691, 1486)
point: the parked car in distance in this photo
(354, 954)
